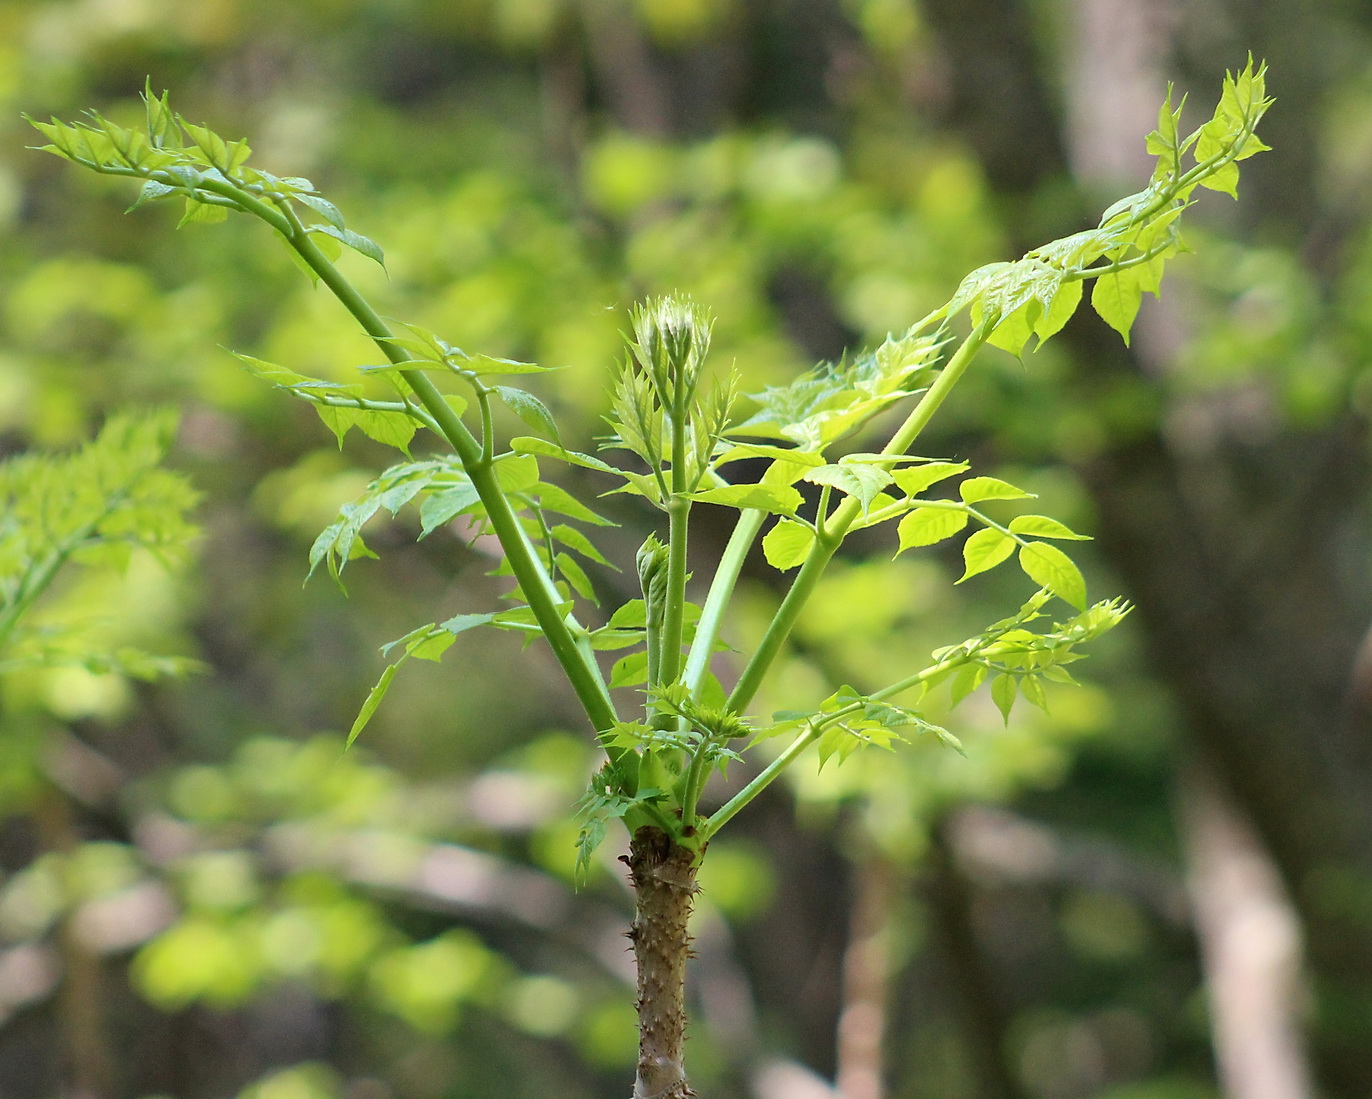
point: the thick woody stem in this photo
(664, 880)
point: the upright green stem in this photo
(669, 655)
(937, 393)
(678, 516)
(780, 626)
(717, 599)
(695, 783)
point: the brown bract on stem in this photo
(663, 874)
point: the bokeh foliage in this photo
(256, 912)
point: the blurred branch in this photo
(866, 978)
(984, 1016)
(1250, 944)
(623, 65)
(89, 1058)
(997, 844)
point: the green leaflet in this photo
(320, 205)
(557, 499)
(204, 213)
(968, 678)
(372, 701)
(863, 481)
(915, 479)
(976, 489)
(529, 409)
(778, 453)
(984, 550)
(391, 428)
(525, 444)
(356, 241)
(445, 505)
(1049, 567)
(774, 499)
(575, 540)
(1058, 312)
(567, 568)
(787, 544)
(630, 671)
(1003, 689)
(925, 526)
(1041, 526)
(1116, 297)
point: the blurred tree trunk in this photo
(1245, 552)
(1250, 944)
(89, 1060)
(866, 978)
(984, 1017)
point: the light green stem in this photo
(785, 618)
(669, 652)
(812, 733)
(764, 778)
(717, 599)
(695, 783)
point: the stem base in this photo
(663, 874)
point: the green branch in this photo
(760, 782)
(717, 599)
(529, 573)
(836, 526)
(669, 652)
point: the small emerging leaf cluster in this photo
(90, 509)
(659, 412)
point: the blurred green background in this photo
(200, 896)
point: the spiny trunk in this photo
(664, 880)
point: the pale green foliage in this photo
(676, 425)
(88, 510)
(1125, 254)
(832, 401)
(177, 159)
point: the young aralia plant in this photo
(682, 435)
